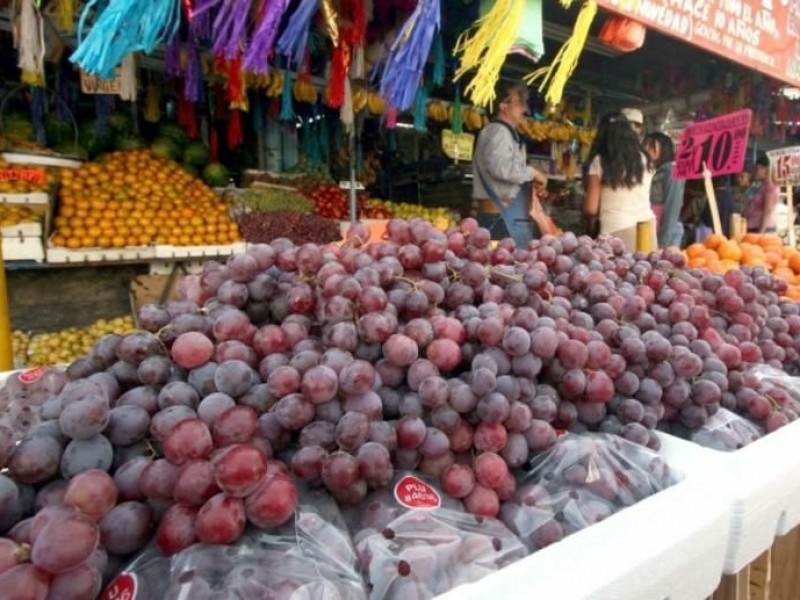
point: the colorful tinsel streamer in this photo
(124, 26)
(263, 40)
(193, 79)
(287, 111)
(229, 27)
(402, 72)
(294, 39)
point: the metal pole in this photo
(6, 353)
(351, 144)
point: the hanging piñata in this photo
(122, 27)
(229, 27)
(402, 72)
(29, 41)
(294, 39)
(505, 27)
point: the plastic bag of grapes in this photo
(582, 479)
(22, 395)
(726, 431)
(311, 557)
(413, 541)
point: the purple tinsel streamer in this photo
(402, 72)
(172, 56)
(193, 82)
(294, 39)
(200, 26)
(260, 46)
(229, 27)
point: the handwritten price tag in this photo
(784, 165)
(720, 143)
(35, 176)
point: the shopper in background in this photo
(618, 182)
(760, 211)
(636, 119)
(666, 193)
(745, 189)
(502, 177)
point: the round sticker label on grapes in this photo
(31, 375)
(415, 493)
(122, 588)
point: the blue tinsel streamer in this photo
(294, 39)
(402, 72)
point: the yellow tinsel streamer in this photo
(486, 46)
(65, 16)
(331, 20)
(152, 103)
(555, 77)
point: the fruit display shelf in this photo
(760, 483)
(16, 247)
(167, 252)
(134, 254)
(670, 545)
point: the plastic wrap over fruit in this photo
(311, 558)
(581, 480)
(412, 541)
(726, 431)
(22, 395)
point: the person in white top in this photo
(501, 176)
(618, 182)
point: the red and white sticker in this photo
(415, 493)
(122, 588)
(30, 375)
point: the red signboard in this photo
(761, 34)
(718, 144)
(35, 176)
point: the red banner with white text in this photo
(761, 34)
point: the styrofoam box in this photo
(171, 252)
(23, 248)
(57, 254)
(668, 546)
(760, 483)
(29, 229)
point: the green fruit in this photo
(165, 148)
(93, 141)
(196, 154)
(216, 175)
(120, 122)
(18, 128)
(58, 132)
(126, 142)
(173, 132)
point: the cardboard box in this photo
(153, 289)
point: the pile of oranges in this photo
(134, 198)
(719, 254)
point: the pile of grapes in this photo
(427, 351)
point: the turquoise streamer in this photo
(438, 61)
(287, 111)
(421, 108)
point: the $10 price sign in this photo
(719, 143)
(784, 165)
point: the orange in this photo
(729, 250)
(73, 242)
(714, 240)
(118, 241)
(772, 258)
(794, 262)
(695, 250)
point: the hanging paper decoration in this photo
(199, 17)
(408, 54)
(294, 39)
(486, 46)
(236, 92)
(65, 16)
(123, 26)
(229, 27)
(622, 33)
(29, 41)
(350, 38)
(260, 45)
(330, 19)
(554, 78)
(421, 109)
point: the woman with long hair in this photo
(617, 182)
(666, 193)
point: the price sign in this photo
(784, 165)
(35, 176)
(92, 85)
(719, 143)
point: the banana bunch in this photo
(304, 90)
(473, 120)
(555, 131)
(375, 103)
(437, 111)
(275, 86)
(256, 80)
(360, 97)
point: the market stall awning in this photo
(761, 34)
